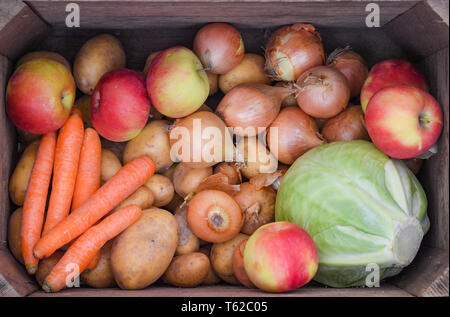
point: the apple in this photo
(120, 105)
(238, 265)
(403, 121)
(280, 256)
(176, 82)
(391, 72)
(40, 96)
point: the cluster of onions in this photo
(248, 107)
(352, 65)
(291, 50)
(346, 126)
(219, 46)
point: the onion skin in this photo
(346, 126)
(323, 92)
(219, 46)
(297, 133)
(251, 106)
(352, 65)
(290, 100)
(291, 50)
(230, 170)
(258, 159)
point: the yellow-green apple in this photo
(403, 121)
(388, 73)
(280, 256)
(120, 105)
(176, 82)
(238, 265)
(40, 96)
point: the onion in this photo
(218, 181)
(257, 158)
(230, 170)
(323, 92)
(200, 140)
(296, 133)
(258, 206)
(290, 100)
(352, 65)
(346, 126)
(248, 107)
(219, 46)
(292, 50)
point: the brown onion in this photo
(257, 158)
(297, 133)
(230, 170)
(290, 100)
(346, 126)
(219, 46)
(206, 146)
(248, 107)
(292, 50)
(323, 92)
(352, 65)
(218, 181)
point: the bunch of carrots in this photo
(77, 203)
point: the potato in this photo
(44, 54)
(152, 141)
(249, 70)
(116, 147)
(212, 79)
(84, 104)
(18, 182)
(98, 56)
(161, 188)
(169, 172)
(101, 276)
(188, 270)
(222, 258)
(174, 203)
(143, 197)
(187, 241)
(142, 253)
(110, 165)
(186, 179)
(14, 225)
(46, 265)
(211, 278)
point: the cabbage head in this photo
(360, 207)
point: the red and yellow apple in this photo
(388, 73)
(403, 121)
(239, 267)
(176, 82)
(40, 96)
(120, 105)
(280, 256)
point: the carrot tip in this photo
(47, 288)
(31, 269)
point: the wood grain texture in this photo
(435, 172)
(421, 31)
(427, 275)
(222, 290)
(143, 14)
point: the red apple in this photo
(238, 265)
(40, 95)
(280, 256)
(176, 82)
(119, 105)
(403, 121)
(388, 73)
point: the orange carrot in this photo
(89, 167)
(83, 250)
(35, 200)
(67, 155)
(77, 112)
(94, 260)
(125, 182)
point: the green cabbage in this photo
(359, 206)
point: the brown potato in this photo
(14, 225)
(18, 182)
(188, 270)
(142, 253)
(169, 172)
(148, 61)
(116, 147)
(211, 278)
(162, 189)
(143, 197)
(152, 141)
(257, 157)
(101, 276)
(84, 104)
(44, 54)
(187, 241)
(110, 165)
(249, 70)
(46, 265)
(98, 56)
(222, 258)
(213, 82)
(186, 179)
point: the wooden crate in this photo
(414, 30)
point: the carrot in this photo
(77, 112)
(67, 155)
(129, 178)
(89, 167)
(35, 200)
(94, 261)
(83, 250)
